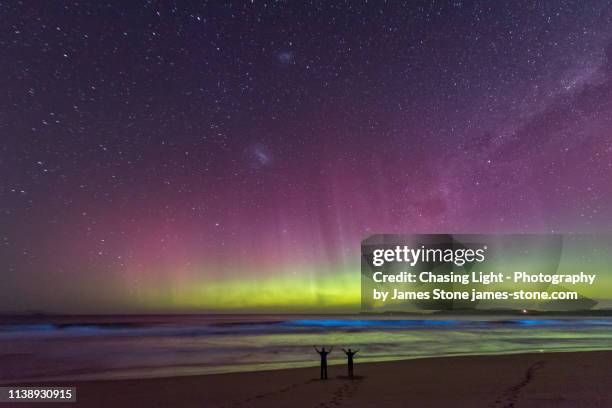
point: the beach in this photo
(571, 379)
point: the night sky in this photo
(169, 156)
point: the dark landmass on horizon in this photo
(115, 320)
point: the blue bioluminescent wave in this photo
(102, 348)
(339, 323)
(369, 323)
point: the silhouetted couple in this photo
(323, 353)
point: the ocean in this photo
(105, 347)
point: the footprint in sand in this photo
(342, 393)
(268, 394)
(508, 398)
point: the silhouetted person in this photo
(323, 355)
(349, 355)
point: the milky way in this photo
(173, 157)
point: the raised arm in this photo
(356, 351)
(315, 347)
(331, 349)
(345, 352)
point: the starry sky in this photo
(230, 156)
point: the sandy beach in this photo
(581, 379)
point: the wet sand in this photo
(581, 379)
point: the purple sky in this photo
(146, 147)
